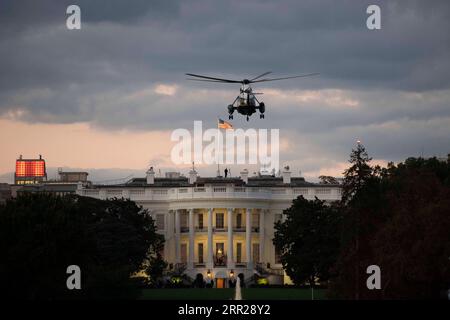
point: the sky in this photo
(106, 98)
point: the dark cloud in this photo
(106, 73)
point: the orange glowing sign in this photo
(30, 168)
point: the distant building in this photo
(30, 171)
(67, 183)
(54, 188)
(72, 176)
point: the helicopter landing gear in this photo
(261, 116)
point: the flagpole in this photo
(217, 148)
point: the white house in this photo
(217, 226)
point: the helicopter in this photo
(246, 102)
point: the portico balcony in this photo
(240, 264)
(220, 260)
(199, 264)
(222, 229)
(184, 229)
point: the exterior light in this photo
(231, 274)
(208, 273)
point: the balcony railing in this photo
(240, 264)
(217, 229)
(324, 193)
(220, 260)
(199, 264)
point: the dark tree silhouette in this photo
(308, 240)
(404, 223)
(357, 174)
(328, 180)
(42, 234)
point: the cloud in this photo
(124, 71)
(165, 90)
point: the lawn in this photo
(227, 294)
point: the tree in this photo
(155, 269)
(357, 174)
(42, 234)
(328, 180)
(412, 244)
(353, 205)
(308, 240)
(404, 221)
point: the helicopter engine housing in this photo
(262, 107)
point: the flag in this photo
(221, 124)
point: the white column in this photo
(261, 235)
(177, 236)
(209, 260)
(230, 258)
(191, 239)
(248, 238)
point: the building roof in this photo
(182, 181)
(49, 187)
(271, 181)
(73, 172)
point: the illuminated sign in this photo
(30, 168)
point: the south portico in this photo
(218, 242)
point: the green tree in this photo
(155, 269)
(308, 240)
(355, 207)
(357, 174)
(404, 220)
(42, 234)
(328, 180)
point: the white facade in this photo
(218, 226)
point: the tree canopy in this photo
(398, 218)
(308, 240)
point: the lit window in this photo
(219, 221)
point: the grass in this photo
(227, 294)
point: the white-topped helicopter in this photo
(246, 102)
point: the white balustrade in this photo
(222, 192)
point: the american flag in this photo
(221, 124)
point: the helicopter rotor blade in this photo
(275, 79)
(261, 75)
(211, 78)
(207, 80)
